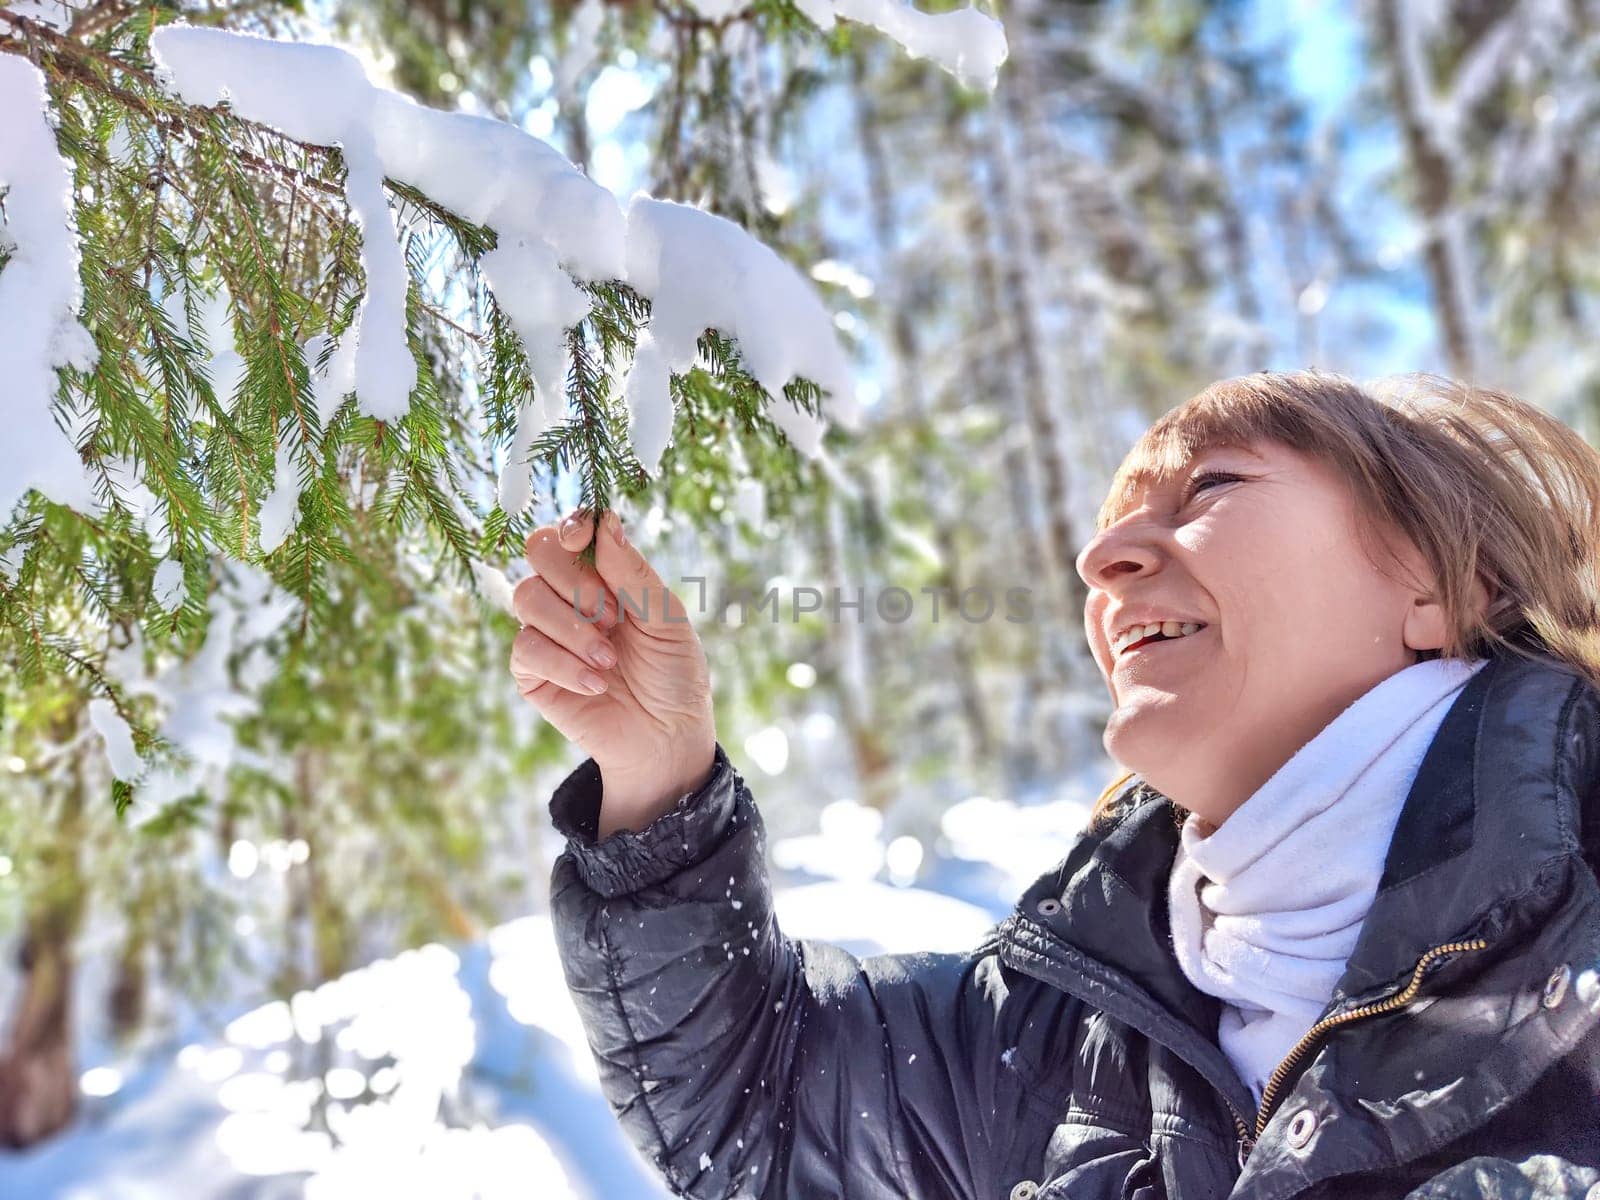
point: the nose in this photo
(1117, 554)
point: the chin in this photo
(1122, 741)
(1142, 739)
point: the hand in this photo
(628, 685)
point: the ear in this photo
(1424, 627)
(1426, 624)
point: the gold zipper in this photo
(1269, 1094)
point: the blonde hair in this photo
(1486, 486)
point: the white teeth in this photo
(1171, 629)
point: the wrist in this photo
(631, 797)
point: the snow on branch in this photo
(969, 44)
(552, 224)
(703, 270)
(556, 236)
(40, 294)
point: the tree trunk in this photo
(1444, 249)
(1030, 257)
(1043, 404)
(38, 1074)
(1000, 375)
(126, 1003)
(38, 1065)
(850, 670)
(905, 361)
(996, 377)
(1056, 235)
(1040, 415)
(1235, 234)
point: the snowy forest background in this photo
(273, 841)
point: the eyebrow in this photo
(1203, 458)
(1220, 447)
(1200, 458)
(1176, 479)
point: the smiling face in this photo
(1252, 556)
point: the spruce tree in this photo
(250, 545)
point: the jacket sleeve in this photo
(1541, 1176)
(744, 1063)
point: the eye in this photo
(1203, 478)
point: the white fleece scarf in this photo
(1265, 911)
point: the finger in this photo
(535, 657)
(539, 607)
(640, 593)
(568, 575)
(563, 709)
(574, 532)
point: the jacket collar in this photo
(1494, 809)
(1495, 812)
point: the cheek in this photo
(1272, 588)
(1093, 610)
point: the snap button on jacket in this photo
(1067, 1055)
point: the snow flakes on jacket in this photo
(1068, 1056)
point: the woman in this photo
(1335, 934)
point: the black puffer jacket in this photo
(1068, 1056)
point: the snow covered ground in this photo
(457, 1072)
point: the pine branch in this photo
(198, 198)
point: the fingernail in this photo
(570, 525)
(616, 529)
(602, 656)
(593, 682)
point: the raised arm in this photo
(742, 1063)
